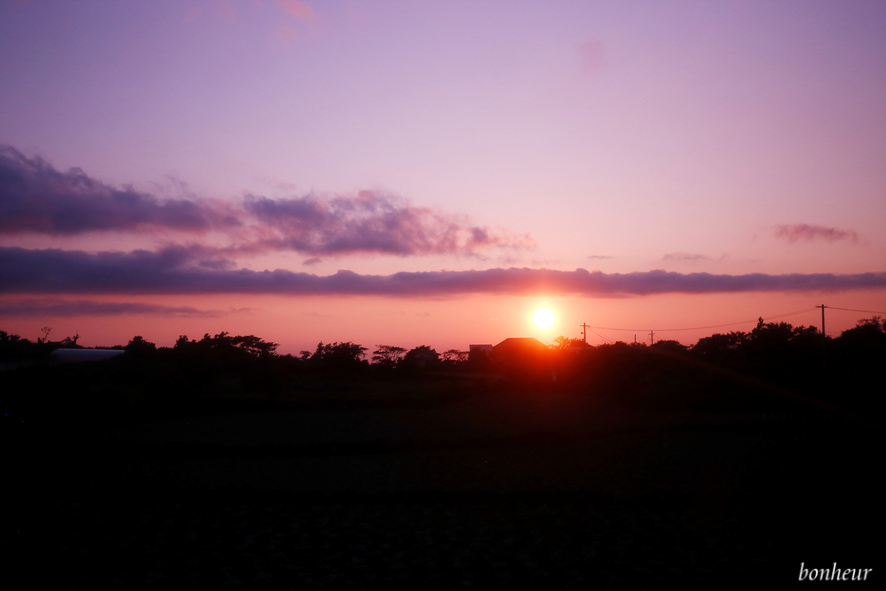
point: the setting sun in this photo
(543, 318)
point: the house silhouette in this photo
(521, 347)
(523, 357)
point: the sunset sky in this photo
(409, 172)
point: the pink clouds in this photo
(297, 10)
(226, 11)
(810, 233)
(368, 222)
(36, 198)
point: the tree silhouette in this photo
(70, 342)
(225, 348)
(255, 346)
(670, 346)
(420, 357)
(719, 348)
(139, 347)
(562, 343)
(869, 332)
(453, 356)
(344, 357)
(387, 356)
(12, 346)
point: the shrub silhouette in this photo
(346, 358)
(387, 356)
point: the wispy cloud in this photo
(37, 198)
(175, 272)
(296, 9)
(298, 13)
(685, 256)
(809, 233)
(52, 308)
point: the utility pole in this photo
(822, 318)
(651, 337)
(584, 332)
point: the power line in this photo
(804, 311)
(604, 337)
(851, 310)
(766, 318)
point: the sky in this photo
(432, 172)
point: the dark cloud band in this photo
(172, 271)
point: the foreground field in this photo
(558, 492)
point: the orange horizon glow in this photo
(300, 323)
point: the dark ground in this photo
(551, 493)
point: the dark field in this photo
(547, 490)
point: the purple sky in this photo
(409, 159)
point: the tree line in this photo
(226, 348)
(765, 367)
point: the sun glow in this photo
(543, 318)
